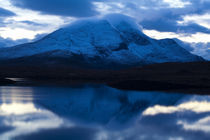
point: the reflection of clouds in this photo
(17, 109)
(161, 127)
(195, 106)
(200, 125)
(188, 120)
(15, 94)
(27, 119)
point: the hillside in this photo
(114, 41)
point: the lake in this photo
(98, 112)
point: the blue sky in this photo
(187, 20)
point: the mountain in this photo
(112, 41)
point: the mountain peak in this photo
(118, 19)
(121, 23)
(113, 40)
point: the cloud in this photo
(200, 6)
(18, 33)
(170, 25)
(9, 42)
(31, 23)
(27, 23)
(200, 125)
(197, 37)
(6, 13)
(194, 106)
(163, 15)
(203, 20)
(160, 15)
(202, 49)
(169, 20)
(75, 8)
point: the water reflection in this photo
(200, 125)
(21, 115)
(194, 106)
(101, 113)
(17, 109)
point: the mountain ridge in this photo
(104, 42)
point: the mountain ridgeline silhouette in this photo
(114, 41)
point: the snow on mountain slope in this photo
(113, 39)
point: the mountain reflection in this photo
(101, 113)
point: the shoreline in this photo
(192, 78)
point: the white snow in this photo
(102, 37)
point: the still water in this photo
(101, 113)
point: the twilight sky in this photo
(188, 20)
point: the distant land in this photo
(191, 77)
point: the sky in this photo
(187, 20)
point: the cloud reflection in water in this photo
(198, 107)
(101, 113)
(18, 112)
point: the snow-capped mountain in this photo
(114, 40)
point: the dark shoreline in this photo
(4, 81)
(192, 78)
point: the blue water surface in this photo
(98, 112)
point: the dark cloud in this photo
(6, 13)
(76, 8)
(199, 6)
(171, 25)
(157, 15)
(32, 23)
(165, 19)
